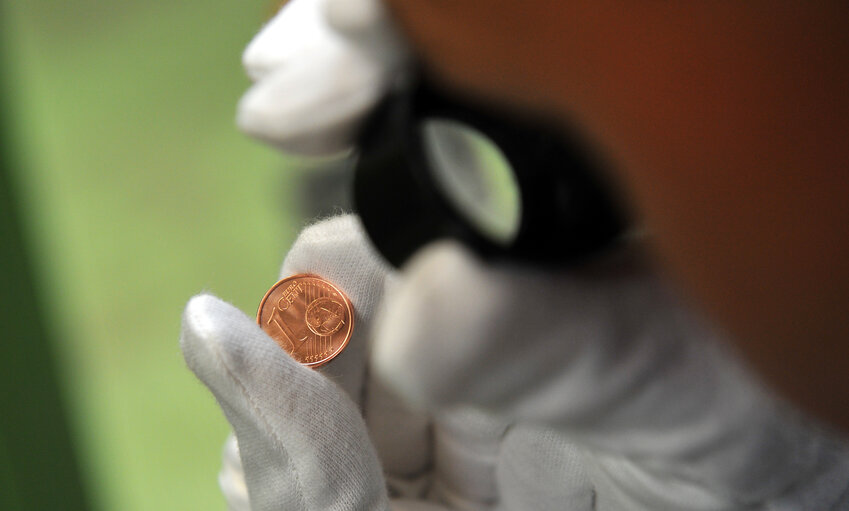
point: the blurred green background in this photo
(136, 192)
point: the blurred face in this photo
(728, 122)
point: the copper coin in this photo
(309, 317)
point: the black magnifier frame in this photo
(567, 212)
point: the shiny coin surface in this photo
(309, 317)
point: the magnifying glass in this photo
(434, 164)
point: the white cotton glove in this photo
(302, 439)
(310, 440)
(602, 394)
(664, 416)
(303, 442)
(317, 79)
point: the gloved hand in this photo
(310, 440)
(601, 393)
(318, 71)
(665, 416)
(302, 437)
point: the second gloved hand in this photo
(608, 356)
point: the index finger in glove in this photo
(302, 441)
(607, 353)
(337, 249)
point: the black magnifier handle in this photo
(566, 212)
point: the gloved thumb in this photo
(302, 441)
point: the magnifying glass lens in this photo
(475, 177)
(508, 184)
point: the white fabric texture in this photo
(314, 83)
(577, 391)
(610, 356)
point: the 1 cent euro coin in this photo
(309, 317)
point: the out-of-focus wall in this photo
(137, 192)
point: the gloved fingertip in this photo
(206, 315)
(353, 17)
(199, 329)
(282, 38)
(313, 87)
(338, 250)
(254, 115)
(216, 334)
(318, 122)
(368, 25)
(342, 233)
(197, 322)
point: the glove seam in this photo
(261, 416)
